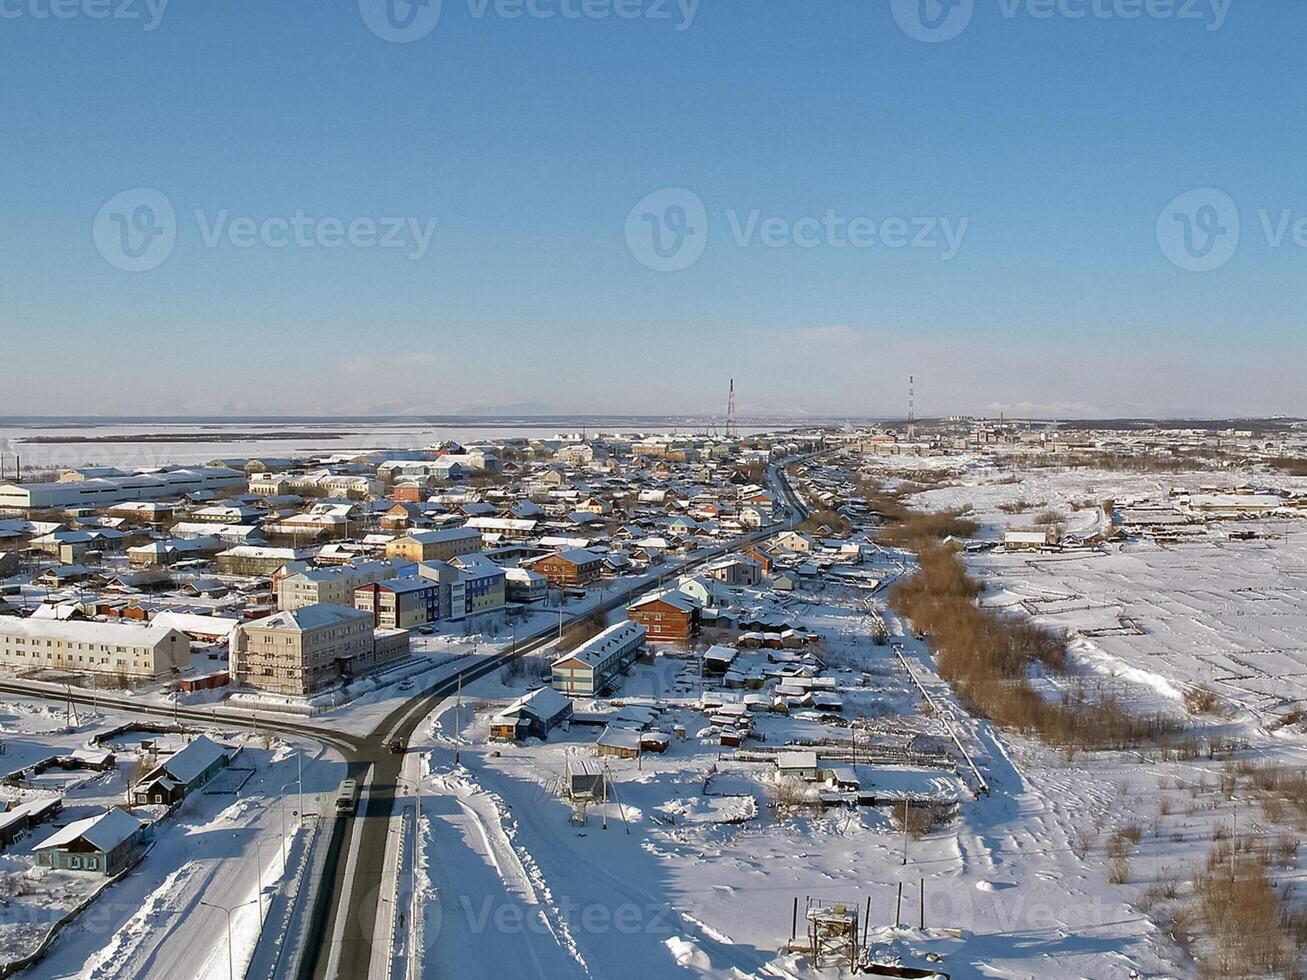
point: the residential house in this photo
(181, 773)
(106, 844)
(667, 616)
(621, 743)
(735, 570)
(533, 715)
(575, 566)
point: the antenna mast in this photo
(731, 432)
(912, 408)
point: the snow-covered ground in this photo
(223, 847)
(1072, 866)
(697, 870)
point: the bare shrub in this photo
(1204, 701)
(1019, 506)
(1083, 841)
(987, 657)
(1247, 924)
(921, 818)
(792, 792)
(1118, 871)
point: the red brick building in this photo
(567, 568)
(668, 617)
(761, 557)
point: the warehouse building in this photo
(100, 492)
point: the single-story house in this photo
(534, 714)
(802, 765)
(104, 844)
(624, 743)
(181, 773)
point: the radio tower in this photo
(912, 408)
(730, 413)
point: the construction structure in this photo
(832, 933)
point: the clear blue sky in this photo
(529, 140)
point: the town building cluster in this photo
(293, 577)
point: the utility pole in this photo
(458, 719)
(905, 832)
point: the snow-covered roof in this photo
(103, 832)
(188, 764)
(196, 623)
(316, 616)
(545, 703)
(118, 634)
(797, 760)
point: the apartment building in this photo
(597, 663)
(118, 649)
(576, 566)
(439, 545)
(302, 652)
(401, 603)
(335, 586)
(484, 584)
(668, 616)
(253, 560)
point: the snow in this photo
(217, 848)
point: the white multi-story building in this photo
(596, 664)
(120, 649)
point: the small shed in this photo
(585, 780)
(624, 743)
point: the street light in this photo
(229, 909)
(282, 808)
(258, 850)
